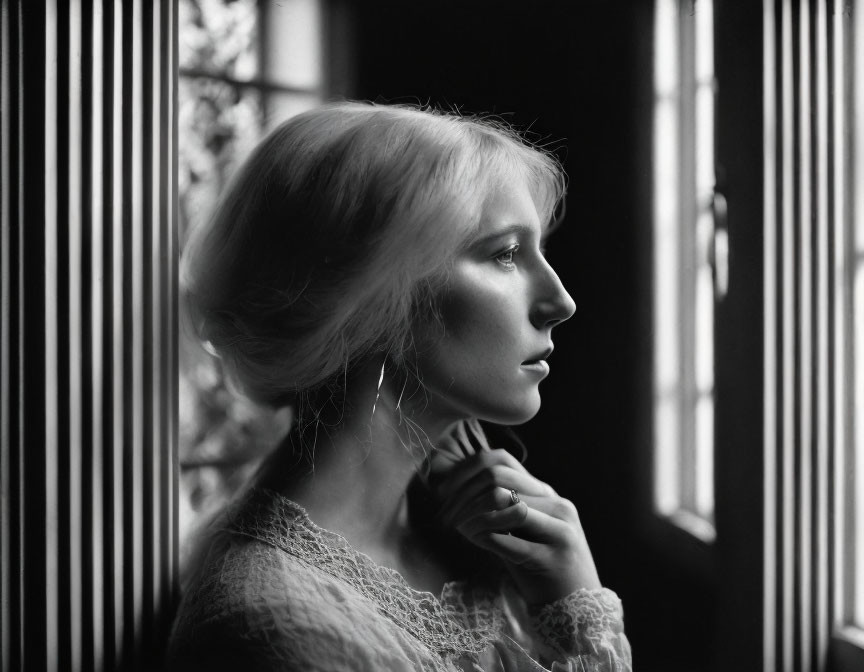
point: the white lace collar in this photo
(464, 620)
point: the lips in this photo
(540, 356)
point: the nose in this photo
(553, 304)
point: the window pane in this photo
(666, 250)
(294, 43)
(666, 48)
(856, 491)
(218, 124)
(667, 496)
(704, 142)
(704, 504)
(683, 278)
(704, 80)
(667, 440)
(220, 37)
(704, 32)
(855, 463)
(704, 312)
(280, 106)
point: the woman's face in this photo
(501, 303)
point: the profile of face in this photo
(487, 357)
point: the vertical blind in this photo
(808, 219)
(88, 360)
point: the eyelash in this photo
(509, 252)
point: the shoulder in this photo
(257, 604)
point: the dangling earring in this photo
(378, 391)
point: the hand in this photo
(539, 539)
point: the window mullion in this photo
(687, 258)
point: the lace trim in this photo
(584, 622)
(465, 620)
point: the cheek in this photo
(480, 342)
(471, 360)
(469, 322)
(481, 321)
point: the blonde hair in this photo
(337, 232)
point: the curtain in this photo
(88, 355)
(810, 214)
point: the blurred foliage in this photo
(223, 438)
(218, 124)
(220, 37)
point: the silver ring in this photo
(514, 497)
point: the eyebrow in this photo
(518, 228)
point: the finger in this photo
(555, 507)
(510, 548)
(488, 490)
(461, 435)
(501, 498)
(521, 521)
(494, 521)
(470, 468)
(456, 445)
(449, 451)
(477, 435)
(459, 509)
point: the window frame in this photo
(692, 202)
(846, 645)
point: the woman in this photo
(381, 268)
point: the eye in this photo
(505, 258)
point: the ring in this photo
(514, 497)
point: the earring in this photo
(378, 391)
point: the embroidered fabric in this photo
(587, 621)
(294, 596)
(464, 620)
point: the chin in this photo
(512, 414)
(515, 409)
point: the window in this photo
(684, 277)
(244, 66)
(849, 465)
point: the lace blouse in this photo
(276, 592)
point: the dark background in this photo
(579, 75)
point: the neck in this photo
(363, 464)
